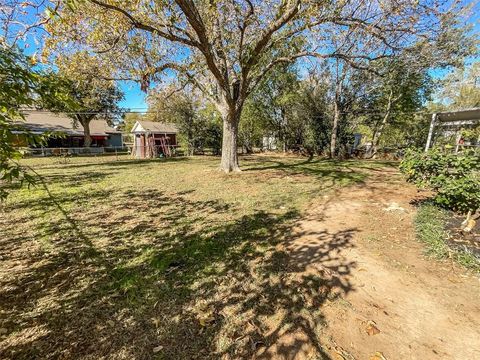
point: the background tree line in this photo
(313, 111)
(229, 50)
(308, 74)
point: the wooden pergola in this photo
(452, 119)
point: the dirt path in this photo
(362, 239)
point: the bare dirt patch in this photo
(391, 301)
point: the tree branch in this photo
(194, 19)
(146, 27)
(289, 59)
(267, 34)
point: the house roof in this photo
(154, 127)
(43, 121)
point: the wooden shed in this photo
(153, 139)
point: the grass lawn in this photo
(167, 259)
(431, 223)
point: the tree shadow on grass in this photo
(73, 179)
(337, 171)
(171, 277)
(318, 166)
(122, 162)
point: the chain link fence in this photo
(143, 151)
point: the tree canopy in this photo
(90, 93)
(225, 48)
(461, 88)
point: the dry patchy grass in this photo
(167, 259)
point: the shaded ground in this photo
(159, 259)
(175, 260)
(414, 308)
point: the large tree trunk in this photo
(339, 76)
(190, 144)
(283, 130)
(229, 161)
(87, 139)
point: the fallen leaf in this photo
(156, 322)
(157, 349)
(337, 356)
(371, 328)
(378, 356)
(470, 224)
(205, 320)
(338, 353)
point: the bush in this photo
(455, 178)
(20, 87)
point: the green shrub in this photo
(20, 87)
(455, 178)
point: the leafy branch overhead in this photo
(225, 48)
(236, 42)
(20, 87)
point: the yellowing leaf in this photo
(378, 356)
(371, 328)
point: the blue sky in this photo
(134, 97)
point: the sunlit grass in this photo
(99, 242)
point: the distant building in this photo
(152, 139)
(357, 141)
(40, 122)
(269, 143)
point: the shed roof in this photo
(43, 121)
(142, 126)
